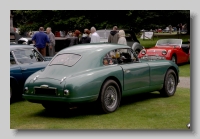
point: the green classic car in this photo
(103, 73)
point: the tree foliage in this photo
(28, 20)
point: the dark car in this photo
(24, 61)
(130, 38)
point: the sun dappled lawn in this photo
(146, 111)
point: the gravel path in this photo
(184, 82)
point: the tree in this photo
(79, 19)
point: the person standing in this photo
(75, 39)
(113, 36)
(85, 38)
(40, 40)
(122, 40)
(95, 38)
(51, 46)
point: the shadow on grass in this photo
(92, 108)
(16, 100)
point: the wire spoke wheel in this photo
(170, 84)
(110, 97)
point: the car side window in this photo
(120, 56)
(111, 58)
(12, 59)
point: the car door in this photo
(136, 74)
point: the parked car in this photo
(24, 61)
(25, 40)
(170, 49)
(101, 73)
(166, 30)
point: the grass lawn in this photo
(151, 43)
(184, 70)
(146, 111)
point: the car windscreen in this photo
(27, 56)
(66, 59)
(165, 42)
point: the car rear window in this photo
(66, 59)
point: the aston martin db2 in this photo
(103, 73)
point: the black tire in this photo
(170, 84)
(137, 47)
(110, 96)
(13, 95)
(174, 59)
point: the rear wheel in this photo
(137, 47)
(137, 51)
(170, 84)
(110, 96)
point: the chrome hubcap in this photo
(110, 97)
(170, 84)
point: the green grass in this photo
(184, 70)
(151, 43)
(146, 111)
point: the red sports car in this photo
(170, 49)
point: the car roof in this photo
(20, 46)
(92, 47)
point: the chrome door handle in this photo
(24, 68)
(126, 71)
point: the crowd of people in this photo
(46, 41)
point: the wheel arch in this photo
(174, 54)
(112, 78)
(13, 81)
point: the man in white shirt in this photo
(95, 38)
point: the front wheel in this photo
(110, 96)
(170, 84)
(174, 59)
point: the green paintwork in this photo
(85, 79)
